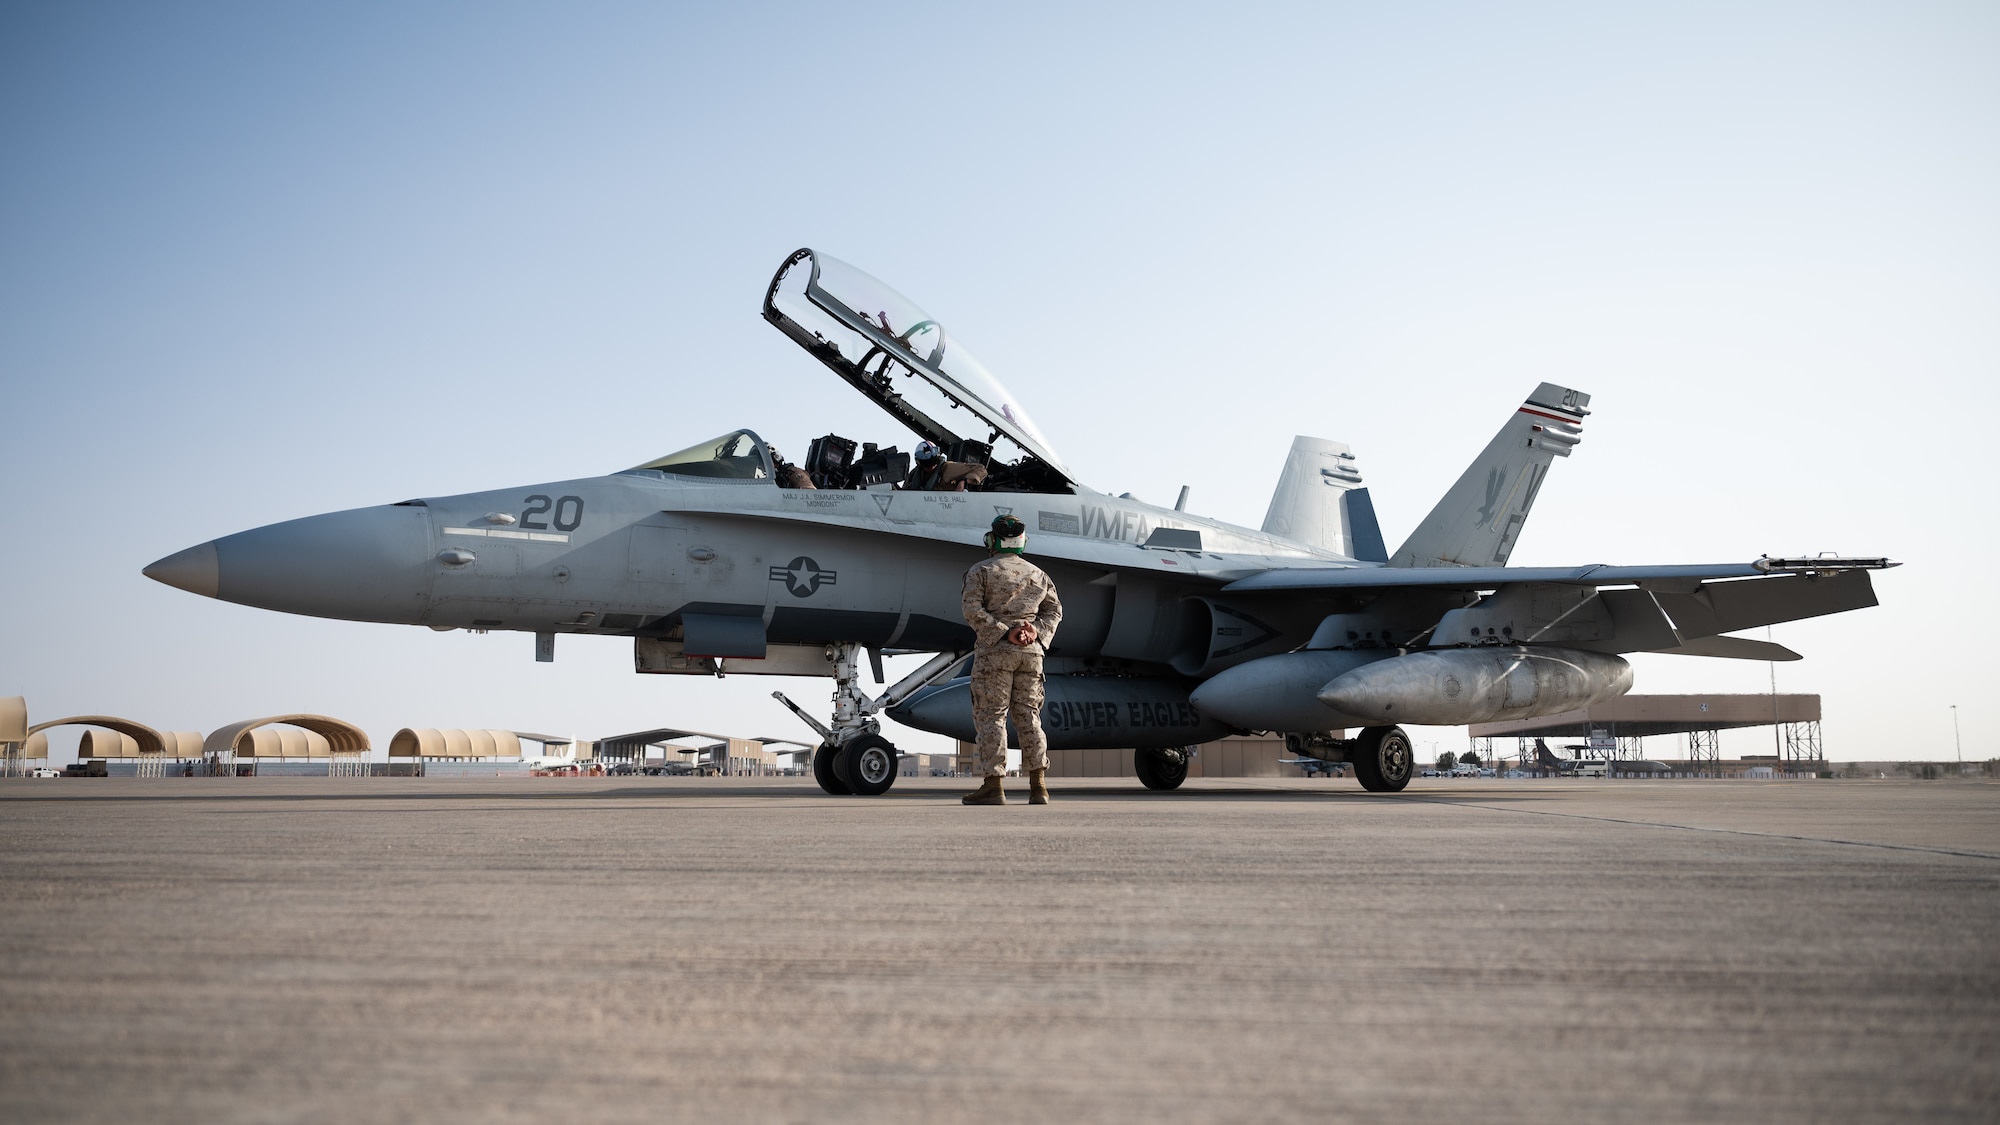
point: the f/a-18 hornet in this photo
(1178, 629)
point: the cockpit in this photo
(835, 462)
(741, 455)
(972, 435)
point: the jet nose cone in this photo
(196, 570)
(364, 564)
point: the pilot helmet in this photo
(927, 451)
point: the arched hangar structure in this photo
(340, 742)
(113, 737)
(145, 739)
(13, 735)
(455, 744)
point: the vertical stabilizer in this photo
(1320, 502)
(1478, 520)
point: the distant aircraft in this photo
(1593, 767)
(1314, 767)
(566, 762)
(1178, 629)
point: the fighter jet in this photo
(1178, 628)
(1315, 767)
(1584, 762)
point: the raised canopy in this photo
(898, 355)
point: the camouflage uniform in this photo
(1000, 593)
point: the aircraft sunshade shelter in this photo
(337, 736)
(428, 742)
(898, 355)
(13, 718)
(145, 739)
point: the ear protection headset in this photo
(1008, 534)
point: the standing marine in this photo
(1012, 607)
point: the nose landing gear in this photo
(854, 758)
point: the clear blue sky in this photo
(259, 261)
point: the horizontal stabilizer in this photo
(1732, 648)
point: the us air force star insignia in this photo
(803, 577)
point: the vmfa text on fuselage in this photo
(1177, 628)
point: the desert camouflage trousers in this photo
(1008, 685)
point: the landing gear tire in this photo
(1161, 769)
(825, 774)
(867, 765)
(1384, 759)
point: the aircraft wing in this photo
(1674, 609)
(1493, 577)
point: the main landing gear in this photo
(1383, 758)
(853, 757)
(1162, 769)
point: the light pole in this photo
(1955, 743)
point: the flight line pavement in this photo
(385, 949)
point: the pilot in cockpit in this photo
(932, 473)
(788, 474)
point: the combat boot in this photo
(1038, 787)
(988, 793)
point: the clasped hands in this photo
(1021, 636)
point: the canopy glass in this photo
(740, 455)
(898, 355)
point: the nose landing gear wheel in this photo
(1384, 759)
(1161, 769)
(825, 774)
(867, 765)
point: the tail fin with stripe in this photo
(1478, 520)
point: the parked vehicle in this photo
(43, 771)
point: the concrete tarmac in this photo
(334, 950)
